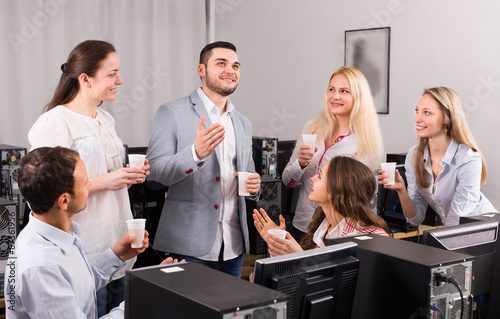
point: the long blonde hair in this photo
(363, 120)
(458, 129)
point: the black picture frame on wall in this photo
(369, 51)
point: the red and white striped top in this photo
(346, 227)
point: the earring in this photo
(88, 85)
(446, 130)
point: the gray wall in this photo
(289, 48)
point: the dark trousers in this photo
(232, 266)
(110, 296)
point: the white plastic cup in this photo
(136, 160)
(242, 186)
(310, 140)
(390, 170)
(136, 228)
(278, 232)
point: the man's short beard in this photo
(220, 90)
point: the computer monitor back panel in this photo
(493, 309)
(190, 290)
(397, 279)
(477, 239)
(321, 282)
(490, 261)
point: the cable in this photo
(436, 308)
(455, 283)
(479, 301)
(161, 258)
(440, 277)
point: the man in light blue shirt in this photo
(47, 275)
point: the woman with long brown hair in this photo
(343, 190)
(73, 119)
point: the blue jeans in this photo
(232, 267)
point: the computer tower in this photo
(10, 157)
(9, 226)
(16, 195)
(285, 151)
(490, 305)
(398, 279)
(190, 290)
(289, 199)
(146, 201)
(265, 156)
(270, 198)
(270, 201)
(289, 196)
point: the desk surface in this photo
(421, 228)
(249, 260)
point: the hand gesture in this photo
(399, 182)
(124, 251)
(278, 246)
(305, 155)
(207, 140)
(263, 223)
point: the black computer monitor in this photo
(321, 282)
(285, 151)
(397, 279)
(190, 290)
(477, 239)
(491, 308)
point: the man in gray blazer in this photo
(197, 146)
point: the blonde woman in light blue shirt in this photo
(446, 168)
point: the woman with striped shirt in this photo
(343, 190)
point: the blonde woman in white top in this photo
(348, 125)
(73, 119)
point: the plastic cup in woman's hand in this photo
(390, 171)
(309, 140)
(278, 232)
(136, 160)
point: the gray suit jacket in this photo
(190, 216)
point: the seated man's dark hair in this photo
(45, 174)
